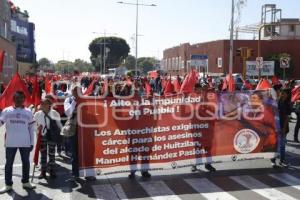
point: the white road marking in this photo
(287, 179)
(208, 189)
(121, 193)
(261, 188)
(57, 194)
(158, 190)
(105, 191)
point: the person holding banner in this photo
(284, 109)
(47, 147)
(70, 105)
(297, 127)
(19, 124)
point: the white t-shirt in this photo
(39, 118)
(19, 125)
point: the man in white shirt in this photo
(19, 125)
(47, 147)
(70, 105)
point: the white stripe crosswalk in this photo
(287, 179)
(199, 188)
(204, 187)
(158, 190)
(207, 189)
(261, 188)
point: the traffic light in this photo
(250, 53)
(238, 52)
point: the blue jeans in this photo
(281, 146)
(10, 157)
(73, 142)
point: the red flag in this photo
(264, 84)
(89, 90)
(169, 89)
(248, 85)
(37, 146)
(177, 85)
(295, 89)
(296, 93)
(47, 85)
(16, 84)
(229, 84)
(36, 94)
(148, 88)
(153, 74)
(189, 82)
(275, 80)
(2, 54)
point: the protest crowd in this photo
(39, 114)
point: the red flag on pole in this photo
(16, 84)
(275, 80)
(2, 54)
(36, 94)
(169, 89)
(264, 84)
(47, 85)
(37, 146)
(177, 85)
(189, 82)
(89, 90)
(296, 93)
(229, 84)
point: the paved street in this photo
(242, 180)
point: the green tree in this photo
(64, 67)
(279, 71)
(146, 64)
(130, 62)
(117, 50)
(44, 62)
(83, 66)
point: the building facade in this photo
(22, 35)
(6, 45)
(177, 60)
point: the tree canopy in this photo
(146, 64)
(65, 66)
(116, 48)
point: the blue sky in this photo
(64, 27)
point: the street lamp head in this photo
(153, 5)
(120, 2)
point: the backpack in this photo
(53, 132)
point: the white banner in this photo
(267, 70)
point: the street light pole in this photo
(104, 52)
(231, 39)
(136, 37)
(137, 4)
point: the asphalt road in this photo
(243, 180)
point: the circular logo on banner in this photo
(246, 140)
(98, 172)
(174, 165)
(234, 157)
